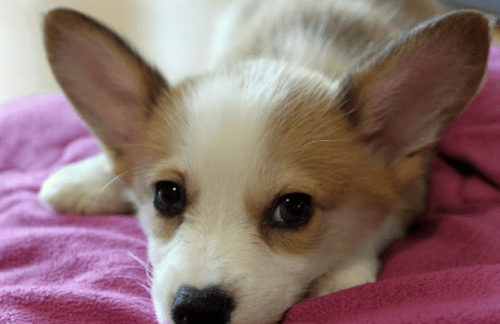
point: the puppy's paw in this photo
(354, 272)
(86, 187)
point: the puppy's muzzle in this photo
(208, 305)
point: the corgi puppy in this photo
(282, 172)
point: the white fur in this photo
(93, 187)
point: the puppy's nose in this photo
(208, 305)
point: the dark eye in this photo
(291, 211)
(170, 198)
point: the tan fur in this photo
(311, 150)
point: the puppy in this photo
(281, 173)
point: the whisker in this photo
(321, 141)
(154, 148)
(143, 298)
(136, 281)
(147, 267)
(128, 267)
(121, 175)
(128, 277)
(148, 289)
(136, 258)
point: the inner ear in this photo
(112, 88)
(402, 102)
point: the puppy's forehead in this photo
(232, 115)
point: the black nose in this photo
(208, 305)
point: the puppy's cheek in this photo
(274, 285)
(161, 310)
(157, 251)
(158, 230)
(162, 290)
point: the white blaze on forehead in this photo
(227, 116)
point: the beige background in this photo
(173, 34)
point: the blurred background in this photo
(172, 34)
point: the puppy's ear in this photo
(109, 85)
(402, 102)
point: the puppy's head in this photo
(254, 180)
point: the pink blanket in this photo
(73, 269)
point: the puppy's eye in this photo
(170, 198)
(291, 211)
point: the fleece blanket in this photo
(74, 269)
